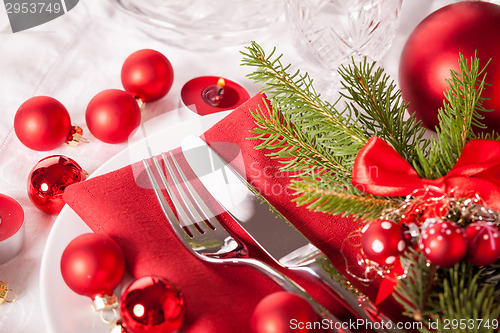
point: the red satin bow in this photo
(380, 170)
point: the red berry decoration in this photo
(277, 312)
(433, 49)
(93, 265)
(383, 241)
(43, 123)
(152, 304)
(483, 243)
(443, 243)
(147, 74)
(49, 178)
(112, 115)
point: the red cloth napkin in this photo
(218, 298)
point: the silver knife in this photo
(270, 230)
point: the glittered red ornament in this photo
(49, 178)
(275, 312)
(443, 243)
(43, 123)
(433, 49)
(147, 74)
(112, 115)
(383, 241)
(92, 265)
(152, 304)
(483, 240)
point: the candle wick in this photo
(219, 92)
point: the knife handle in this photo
(289, 285)
(322, 270)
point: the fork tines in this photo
(191, 209)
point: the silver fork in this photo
(203, 235)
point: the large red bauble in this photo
(152, 304)
(92, 265)
(443, 243)
(49, 178)
(280, 312)
(42, 123)
(112, 115)
(147, 74)
(483, 243)
(433, 49)
(383, 241)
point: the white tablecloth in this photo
(71, 59)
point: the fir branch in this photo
(461, 112)
(292, 147)
(295, 96)
(414, 292)
(465, 298)
(312, 137)
(320, 196)
(374, 100)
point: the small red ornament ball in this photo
(92, 265)
(49, 178)
(383, 241)
(433, 49)
(42, 123)
(147, 74)
(112, 115)
(152, 304)
(275, 312)
(443, 243)
(483, 243)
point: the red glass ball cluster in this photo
(443, 243)
(93, 265)
(113, 115)
(43, 123)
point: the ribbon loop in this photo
(380, 170)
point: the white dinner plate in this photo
(63, 310)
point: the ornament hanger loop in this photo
(114, 314)
(12, 298)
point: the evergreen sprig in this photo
(374, 100)
(317, 142)
(461, 112)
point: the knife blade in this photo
(270, 230)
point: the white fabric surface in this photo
(71, 59)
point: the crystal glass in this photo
(330, 32)
(203, 24)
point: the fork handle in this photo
(289, 285)
(322, 270)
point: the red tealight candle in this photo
(11, 228)
(209, 94)
(214, 94)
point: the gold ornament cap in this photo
(105, 302)
(75, 136)
(7, 295)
